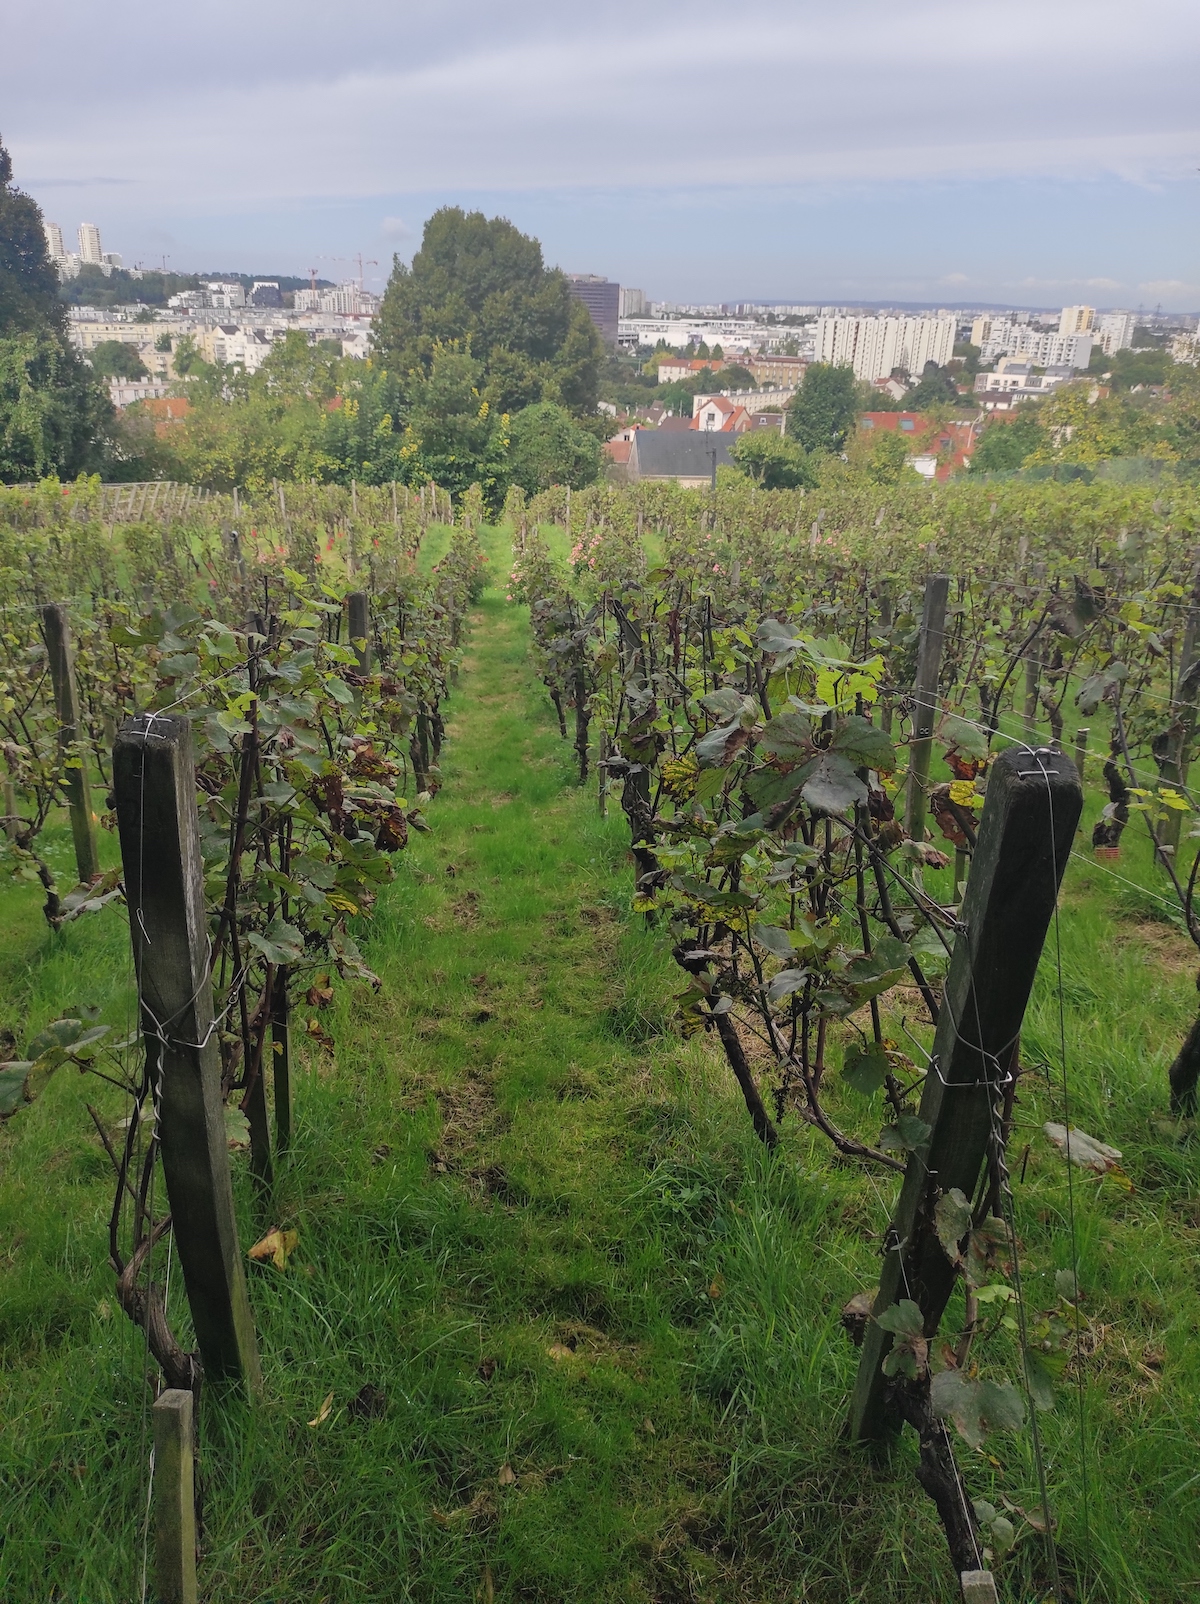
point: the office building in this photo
(90, 249)
(602, 299)
(876, 346)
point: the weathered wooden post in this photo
(174, 1499)
(1033, 678)
(155, 788)
(1030, 815)
(358, 606)
(66, 706)
(924, 716)
(1033, 805)
(1081, 746)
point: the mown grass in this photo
(538, 1226)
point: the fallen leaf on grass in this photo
(276, 1246)
(323, 1413)
(487, 1369)
(507, 1476)
(1083, 1149)
(716, 1287)
(559, 1350)
(482, 1505)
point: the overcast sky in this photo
(1023, 151)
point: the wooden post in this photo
(978, 1587)
(359, 608)
(154, 781)
(1033, 805)
(66, 706)
(924, 716)
(1033, 676)
(1081, 746)
(281, 1055)
(174, 1499)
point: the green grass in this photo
(539, 1225)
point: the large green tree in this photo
(53, 414)
(773, 462)
(547, 447)
(1007, 445)
(480, 283)
(823, 409)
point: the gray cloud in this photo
(287, 102)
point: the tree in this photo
(480, 282)
(547, 447)
(116, 359)
(773, 462)
(1007, 446)
(53, 417)
(453, 435)
(935, 388)
(823, 410)
(28, 279)
(53, 414)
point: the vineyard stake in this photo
(358, 605)
(154, 781)
(1033, 675)
(1033, 804)
(174, 1499)
(929, 662)
(66, 707)
(1081, 746)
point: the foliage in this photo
(773, 461)
(481, 285)
(548, 448)
(934, 388)
(53, 416)
(116, 359)
(822, 411)
(1007, 445)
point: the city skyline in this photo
(1016, 155)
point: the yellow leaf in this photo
(962, 792)
(507, 1476)
(276, 1246)
(322, 1414)
(559, 1350)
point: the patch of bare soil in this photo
(1151, 942)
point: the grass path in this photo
(580, 1341)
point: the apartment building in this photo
(876, 346)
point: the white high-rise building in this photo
(1076, 319)
(633, 302)
(998, 337)
(874, 346)
(1114, 331)
(89, 244)
(54, 241)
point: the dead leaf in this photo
(1083, 1149)
(507, 1476)
(489, 1587)
(559, 1350)
(648, 1427)
(487, 1369)
(716, 1287)
(323, 1413)
(320, 993)
(276, 1246)
(319, 1034)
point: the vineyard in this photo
(647, 1050)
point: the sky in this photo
(1011, 152)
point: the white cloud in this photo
(394, 228)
